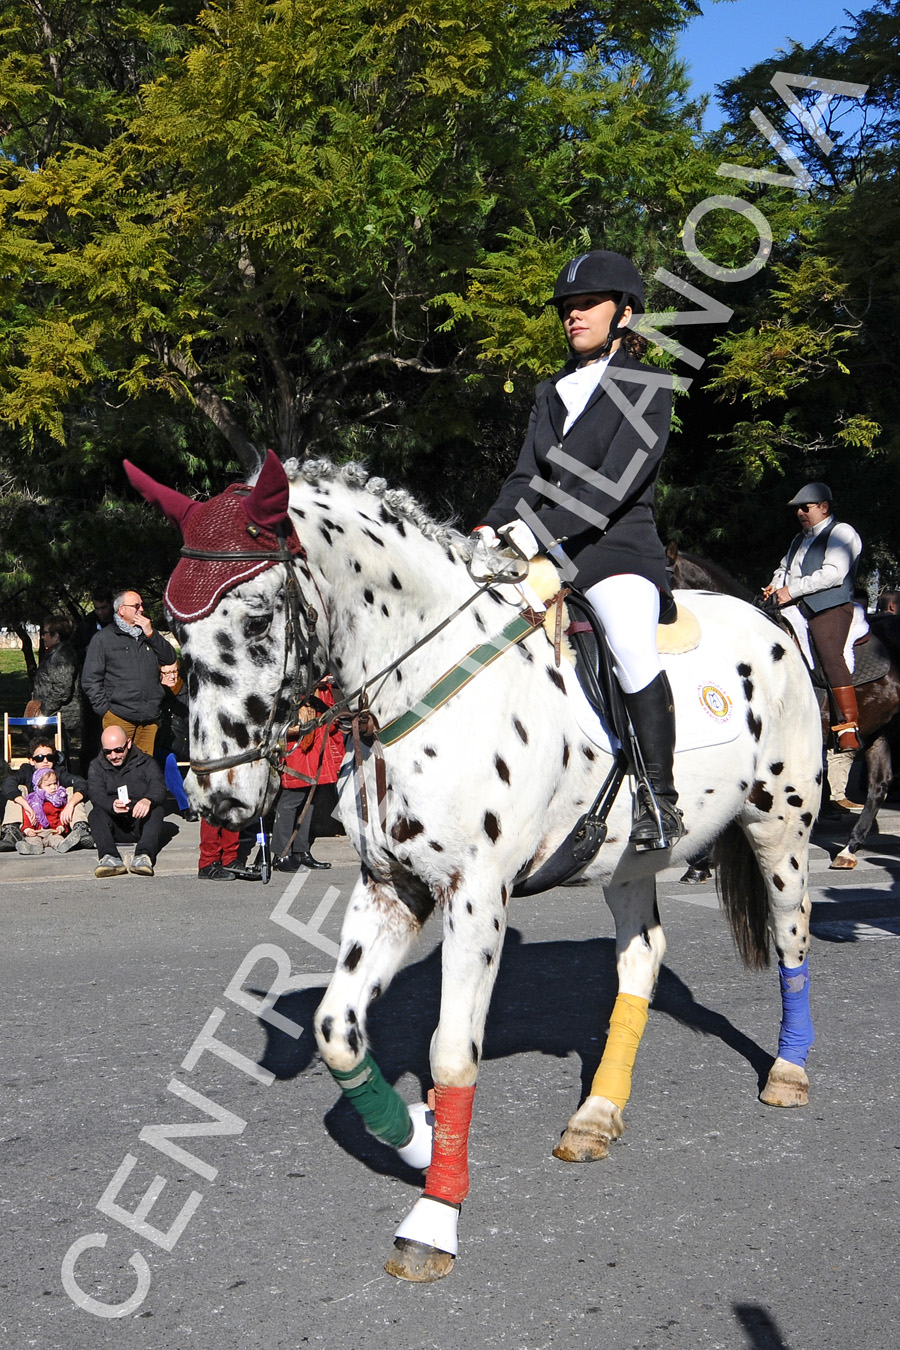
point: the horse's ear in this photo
(173, 504)
(671, 552)
(267, 503)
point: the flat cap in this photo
(811, 492)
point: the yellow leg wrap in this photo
(626, 1027)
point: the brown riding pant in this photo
(829, 630)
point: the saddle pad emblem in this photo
(715, 702)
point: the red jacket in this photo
(307, 762)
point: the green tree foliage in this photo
(804, 374)
(320, 229)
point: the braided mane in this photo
(397, 501)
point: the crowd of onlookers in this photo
(116, 685)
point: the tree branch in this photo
(213, 406)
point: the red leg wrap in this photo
(448, 1175)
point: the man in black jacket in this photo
(120, 677)
(128, 792)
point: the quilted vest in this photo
(812, 561)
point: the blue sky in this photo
(732, 36)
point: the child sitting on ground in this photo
(45, 801)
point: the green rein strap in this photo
(527, 621)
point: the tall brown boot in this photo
(846, 729)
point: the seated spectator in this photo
(128, 796)
(42, 827)
(172, 736)
(56, 687)
(888, 602)
(315, 758)
(218, 856)
(18, 784)
(120, 677)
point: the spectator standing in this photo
(315, 759)
(120, 677)
(218, 855)
(101, 616)
(18, 784)
(56, 687)
(128, 796)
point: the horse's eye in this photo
(258, 627)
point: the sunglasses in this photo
(115, 749)
(43, 759)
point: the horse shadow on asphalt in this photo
(553, 998)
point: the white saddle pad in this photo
(709, 702)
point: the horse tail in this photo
(742, 892)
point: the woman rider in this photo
(608, 414)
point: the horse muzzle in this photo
(233, 796)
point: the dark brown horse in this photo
(878, 701)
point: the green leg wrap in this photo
(383, 1110)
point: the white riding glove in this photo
(520, 537)
(484, 561)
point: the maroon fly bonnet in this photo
(227, 540)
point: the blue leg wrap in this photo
(797, 1035)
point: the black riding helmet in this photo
(602, 271)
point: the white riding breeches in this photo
(628, 608)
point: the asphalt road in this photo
(716, 1222)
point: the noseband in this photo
(271, 747)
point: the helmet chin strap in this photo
(614, 333)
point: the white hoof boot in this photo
(417, 1153)
(433, 1223)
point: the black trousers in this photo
(287, 809)
(111, 830)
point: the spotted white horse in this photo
(479, 793)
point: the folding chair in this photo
(15, 758)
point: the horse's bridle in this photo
(271, 746)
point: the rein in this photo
(362, 722)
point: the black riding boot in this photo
(652, 712)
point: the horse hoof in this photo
(591, 1130)
(844, 859)
(695, 876)
(787, 1085)
(580, 1146)
(418, 1262)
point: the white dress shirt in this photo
(843, 548)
